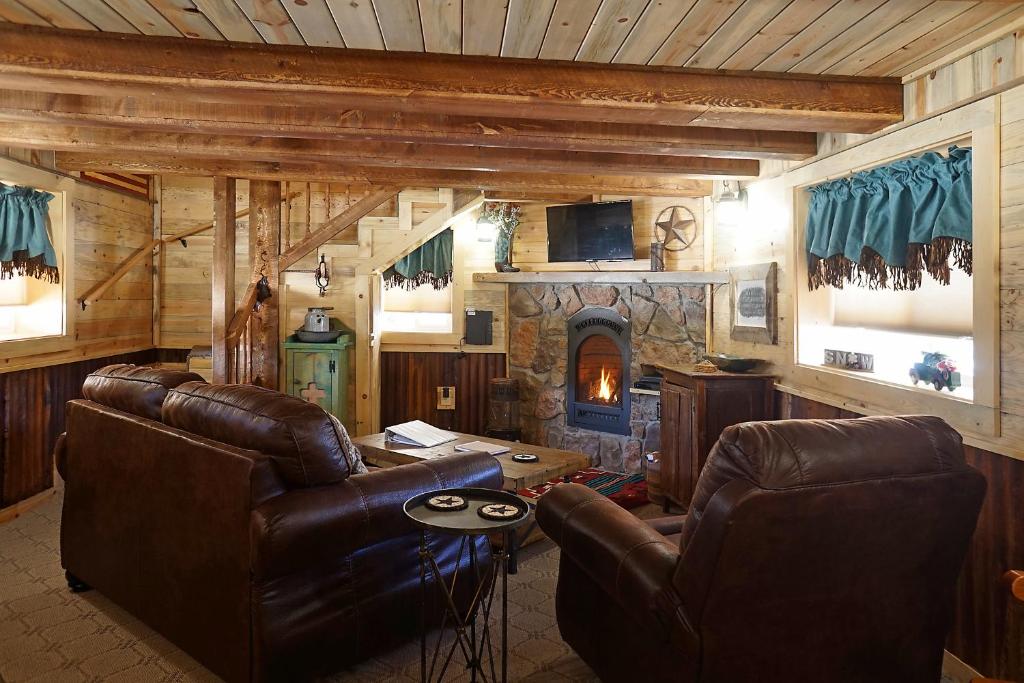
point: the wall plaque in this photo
(754, 303)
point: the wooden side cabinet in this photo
(695, 408)
(319, 373)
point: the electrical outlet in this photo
(446, 398)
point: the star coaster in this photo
(499, 512)
(447, 503)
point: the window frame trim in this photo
(63, 188)
(980, 123)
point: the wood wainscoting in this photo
(988, 630)
(409, 382)
(32, 414)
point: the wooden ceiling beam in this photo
(409, 177)
(175, 116)
(82, 62)
(384, 154)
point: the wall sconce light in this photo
(730, 203)
(485, 229)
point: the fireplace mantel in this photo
(676, 277)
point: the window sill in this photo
(420, 338)
(872, 378)
(862, 393)
(18, 348)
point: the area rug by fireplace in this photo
(625, 490)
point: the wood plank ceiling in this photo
(517, 95)
(843, 37)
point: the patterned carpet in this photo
(49, 634)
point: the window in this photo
(36, 315)
(30, 308)
(898, 328)
(423, 309)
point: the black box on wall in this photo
(479, 326)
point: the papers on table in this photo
(482, 447)
(418, 433)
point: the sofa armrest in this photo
(667, 526)
(631, 561)
(305, 526)
(60, 455)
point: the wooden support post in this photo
(286, 217)
(158, 255)
(223, 276)
(309, 208)
(265, 252)
(366, 371)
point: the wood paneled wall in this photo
(188, 202)
(186, 269)
(32, 415)
(412, 380)
(36, 157)
(530, 248)
(110, 226)
(987, 630)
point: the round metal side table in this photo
(458, 512)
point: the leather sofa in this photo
(227, 518)
(813, 550)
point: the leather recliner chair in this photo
(814, 550)
(228, 518)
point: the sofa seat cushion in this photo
(134, 389)
(300, 437)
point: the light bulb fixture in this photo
(730, 204)
(322, 276)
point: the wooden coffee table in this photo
(553, 462)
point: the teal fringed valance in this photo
(25, 247)
(884, 227)
(430, 264)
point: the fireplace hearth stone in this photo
(538, 358)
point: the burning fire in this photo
(604, 387)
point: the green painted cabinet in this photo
(319, 373)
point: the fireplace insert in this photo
(597, 386)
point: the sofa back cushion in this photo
(138, 390)
(846, 533)
(787, 454)
(300, 437)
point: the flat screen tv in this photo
(601, 231)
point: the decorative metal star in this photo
(676, 228)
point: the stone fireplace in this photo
(598, 397)
(663, 324)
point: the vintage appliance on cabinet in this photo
(318, 372)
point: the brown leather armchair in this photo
(813, 550)
(228, 518)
